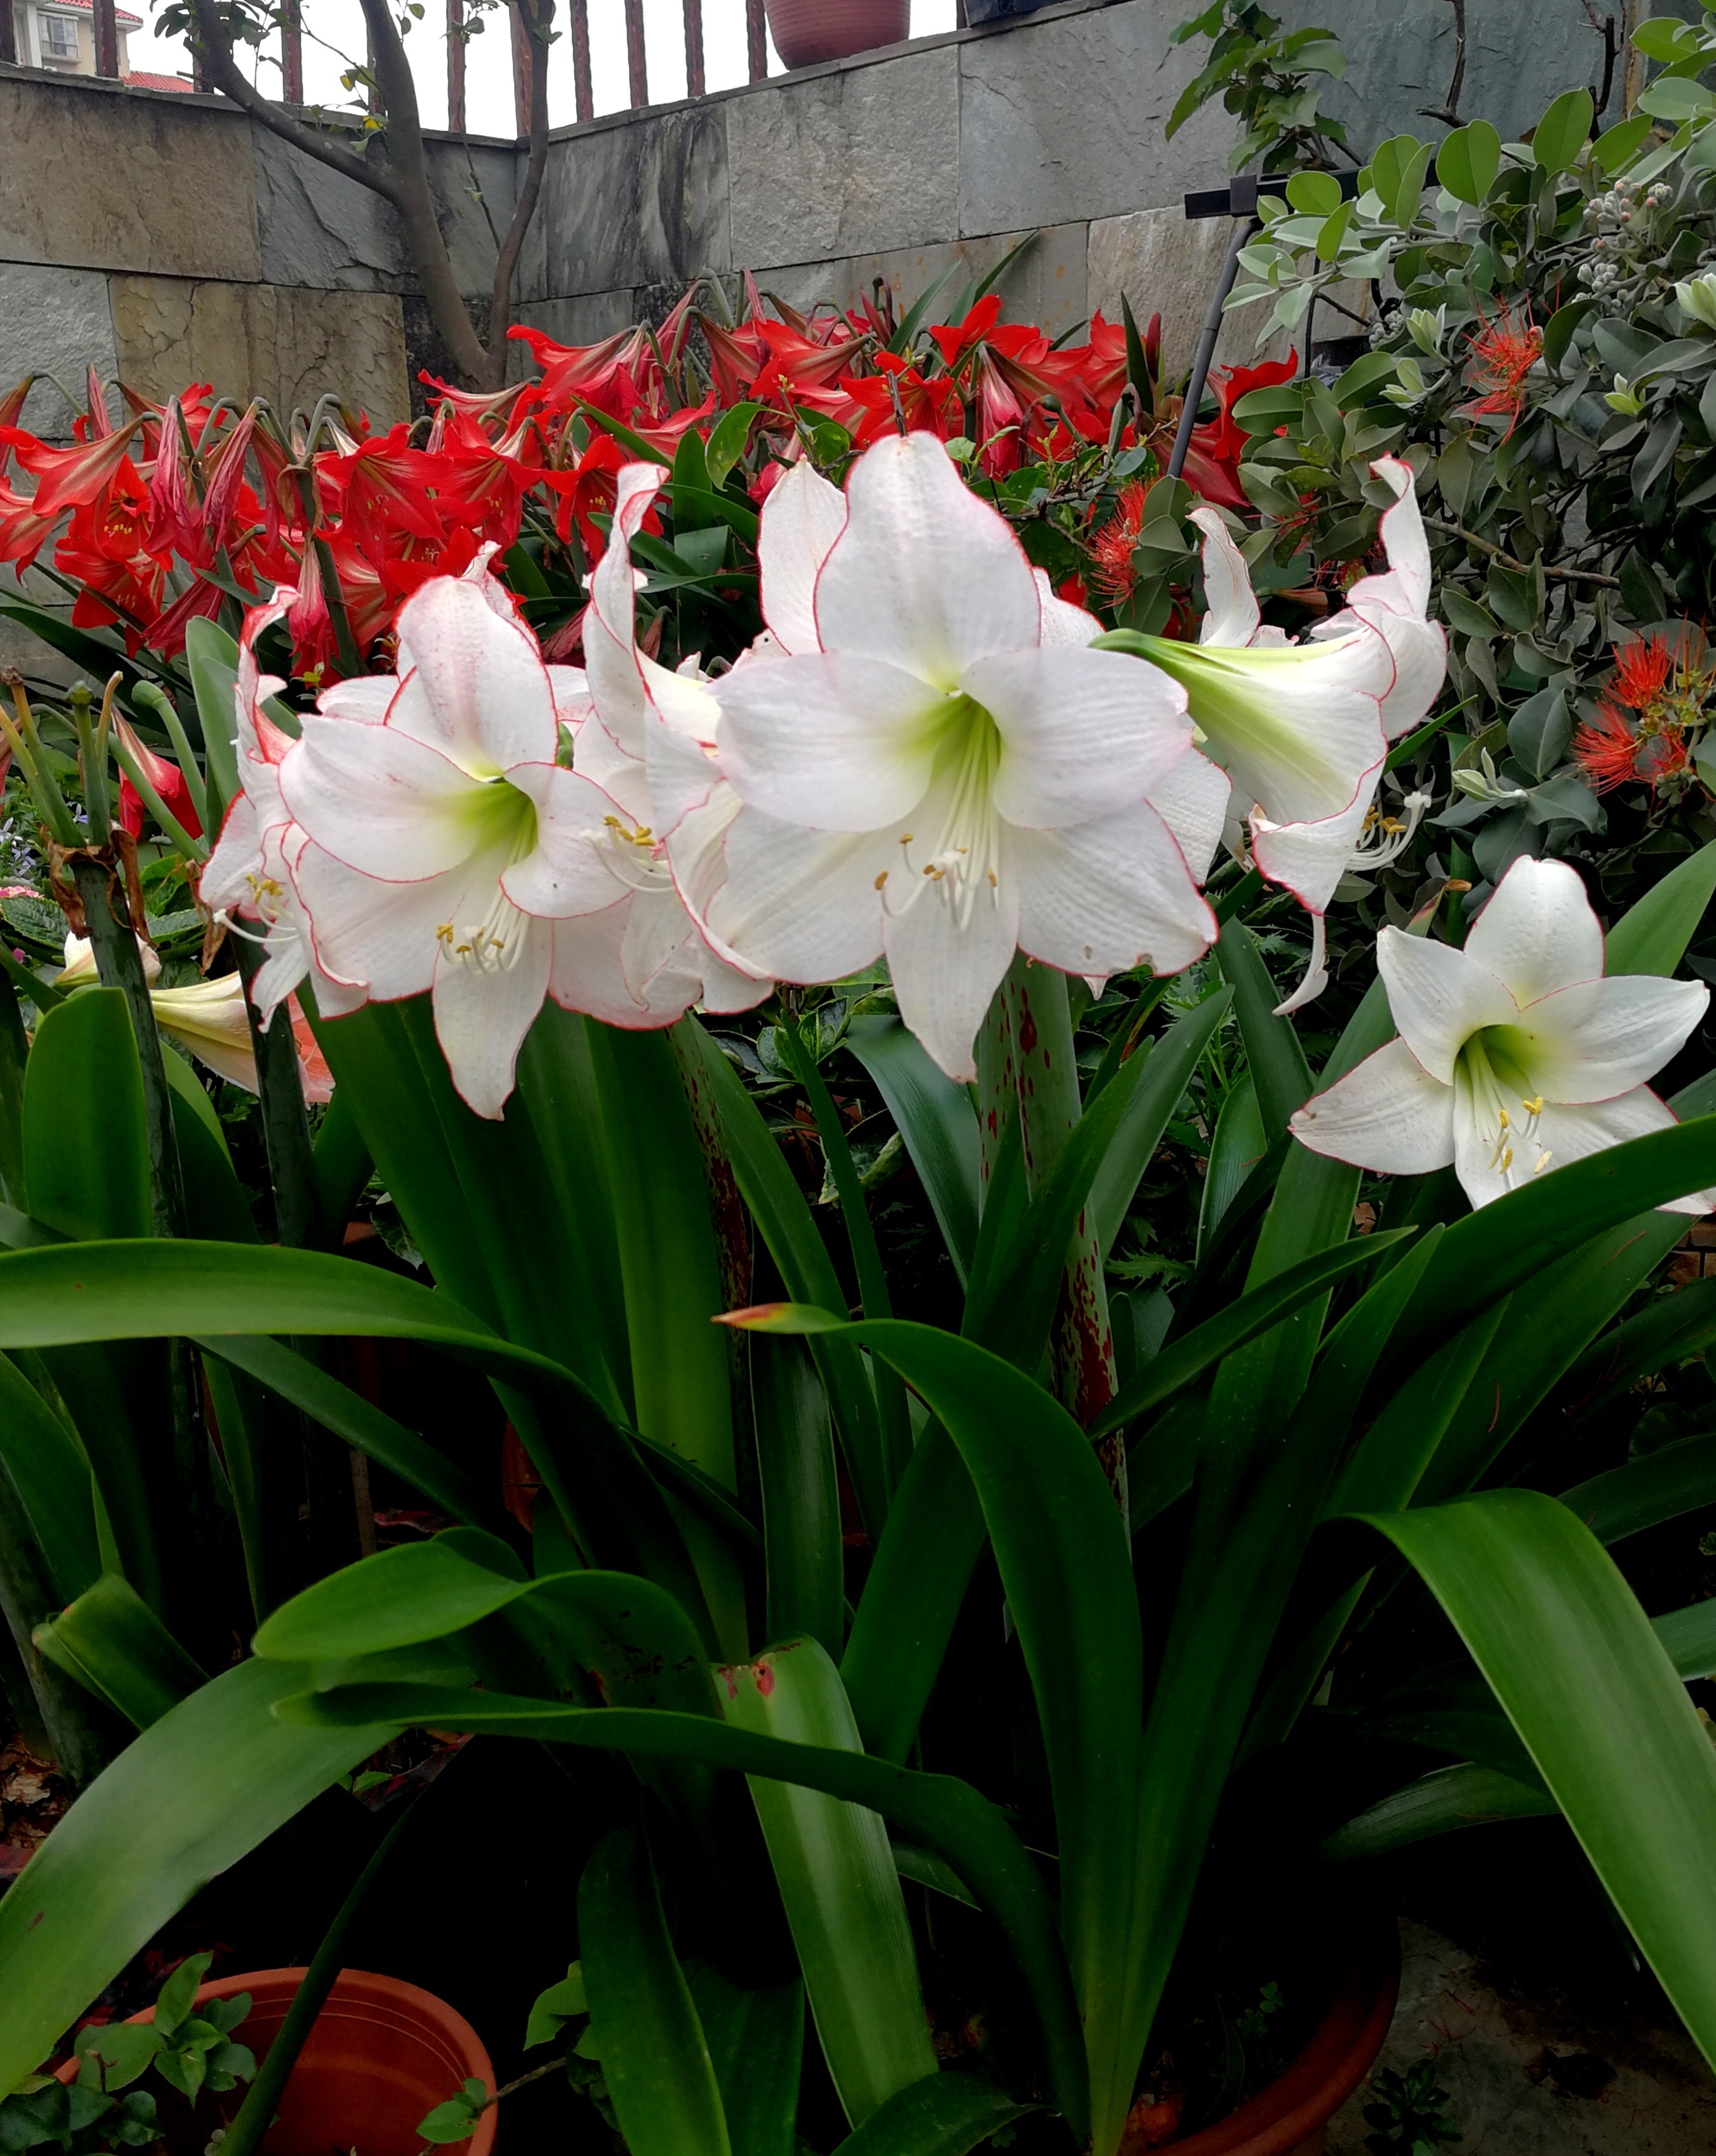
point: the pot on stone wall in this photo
(807, 30)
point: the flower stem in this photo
(152, 698)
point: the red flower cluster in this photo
(1639, 734)
(1505, 350)
(160, 518)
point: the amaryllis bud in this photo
(167, 780)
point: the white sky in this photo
(488, 89)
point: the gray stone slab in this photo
(268, 341)
(1400, 59)
(321, 229)
(97, 178)
(847, 162)
(1061, 118)
(58, 322)
(636, 204)
(585, 319)
(1495, 2051)
(1045, 287)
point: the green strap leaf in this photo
(1660, 1486)
(838, 1885)
(803, 1552)
(942, 2115)
(946, 1816)
(1277, 1064)
(86, 1143)
(1171, 1061)
(654, 2059)
(114, 1643)
(52, 1478)
(1436, 1804)
(755, 2040)
(197, 1790)
(1652, 935)
(1184, 1361)
(1572, 1658)
(935, 1118)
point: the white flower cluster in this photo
(924, 759)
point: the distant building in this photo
(59, 35)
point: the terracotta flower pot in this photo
(382, 2056)
(1287, 2117)
(807, 30)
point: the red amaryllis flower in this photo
(1506, 350)
(71, 478)
(166, 779)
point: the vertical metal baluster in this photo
(455, 66)
(757, 40)
(580, 59)
(635, 61)
(106, 39)
(524, 59)
(292, 54)
(694, 47)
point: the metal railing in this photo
(106, 38)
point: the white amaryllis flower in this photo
(646, 737)
(1516, 1054)
(1302, 728)
(208, 1018)
(448, 850)
(931, 778)
(249, 870)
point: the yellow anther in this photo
(1504, 1119)
(1507, 1160)
(881, 879)
(1543, 1161)
(1533, 1107)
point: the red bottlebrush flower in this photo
(1506, 350)
(1607, 750)
(1112, 573)
(1641, 672)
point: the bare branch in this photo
(1448, 111)
(229, 80)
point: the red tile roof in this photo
(88, 7)
(137, 79)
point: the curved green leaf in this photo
(838, 1884)
(52, 1478)
(1170, 1063)
(1184, 1361)
(935, 1118)
(198, 1789)
(1585, 1681)
(942, 2115)
(803, 1553)
(1652, 935)
(86, 1143)
(756, 2039)
(654, 2059)
(946, 1816)
(1657, 1486)
(1279, 1071)
(114, 1643)
(1436, 1804)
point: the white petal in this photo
(382, 803)
(287, 962)
(1082, 732)
(1394, 605)
(1600, 1038)
(680, 726)
(1297, 727)
(364, 699)
(481, 1019)
(945, 970)
(383, 933)
(801, 904)
(1387, 1114)
(569, 870)
(1233, 614)
(587, 974)
(1104, 897)
(479, 692)
(235, 858)
(1402, 534)
(610, 653)
(655, 955)
(1193, 801)
(841, 743)
(803, 517)
(925, 576)
(1536, 931)
(1562, 1134)
(1439, 997)
(1315, 978)
(1310, 858)
(1063, 622)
